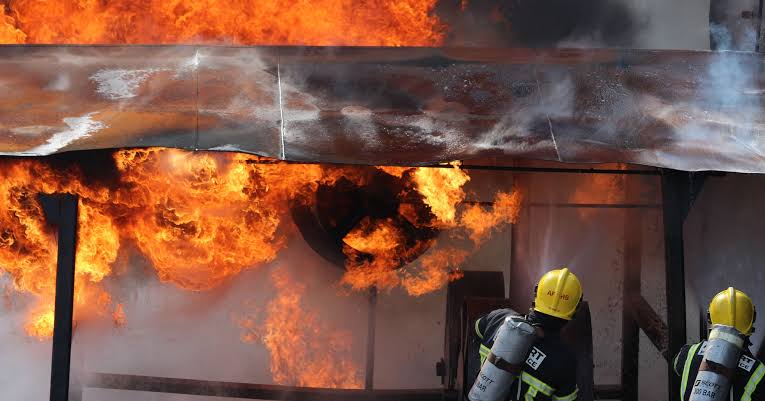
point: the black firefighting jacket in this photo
(549, 373)
(746, 381)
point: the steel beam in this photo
(633, 252)
(676, 193)
(597, 205)
(562, 170)
(61, 211)
(250, 391)
(649, 321)
(369, 373)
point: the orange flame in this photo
(8, 31)
(244, 22)
(442, 190)
(438, 268)
(598, 188)
(387, 249)
(28, 246)
(201, 220)
(479, 223)
(374, 237)
(304, 350)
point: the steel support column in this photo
(676, 192)
(61, 211)
(369, 374)
(633, 250)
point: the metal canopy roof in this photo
(678, 109)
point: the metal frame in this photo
(369, 372)
(678, 190)
(633, 248)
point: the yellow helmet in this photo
(733, 308)
(558, 294)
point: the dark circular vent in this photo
(338, 209)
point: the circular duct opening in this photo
(359, 206)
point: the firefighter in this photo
(731, 309)
(547, 370)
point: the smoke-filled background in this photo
(559, 23)
(681, 24)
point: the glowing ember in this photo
(246, 22)
(304, 350)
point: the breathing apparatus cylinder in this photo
(503, 364)
(721, 356)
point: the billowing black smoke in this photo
(538, 23)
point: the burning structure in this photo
(242, 212)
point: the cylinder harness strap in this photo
(503, 364)
(714, 367)
(687, 368)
